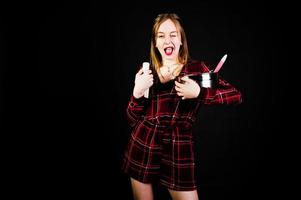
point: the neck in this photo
(170, 62)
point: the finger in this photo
(149, 85)
(148, 77)
(178, 84)
(140, 71)
(180, 94)
(185, 78)
(149, 80)
(151, 76)
(179, 89)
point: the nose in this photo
(167, 40)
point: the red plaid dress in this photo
(160, 145)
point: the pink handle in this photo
(220, 64)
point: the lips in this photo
(168, 50)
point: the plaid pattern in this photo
(161, 144)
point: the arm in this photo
(224, 94)
(135, 110)
(137, 103)
(189, 88)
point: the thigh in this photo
(141, 190)
(184, 195)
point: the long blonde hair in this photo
(155, 56)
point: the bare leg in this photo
(184, 195)
(142, 191)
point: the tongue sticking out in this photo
(168, 51)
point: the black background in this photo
(68, 70)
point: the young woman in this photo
(160, 146)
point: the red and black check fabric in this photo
(161, 144)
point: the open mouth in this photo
(168, 50)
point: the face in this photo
(168, 41)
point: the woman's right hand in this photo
(143, 81)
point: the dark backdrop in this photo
(69, 70)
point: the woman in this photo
(160, 145)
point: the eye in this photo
(173, 35)
(160, 36)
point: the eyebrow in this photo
(170, 32)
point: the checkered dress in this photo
(160, 146)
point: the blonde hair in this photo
(155, 56)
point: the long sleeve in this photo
(135, 110)
(224, 94)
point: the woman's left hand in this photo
(187, 90)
